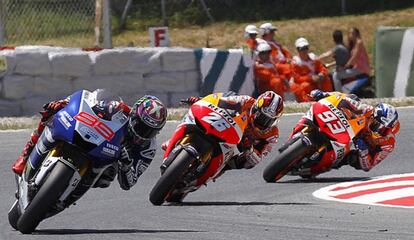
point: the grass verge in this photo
(229, 34)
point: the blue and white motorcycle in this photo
(88, 141)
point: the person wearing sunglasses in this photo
(308, 73)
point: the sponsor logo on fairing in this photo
(88, 133)
(223, 113)
(64, 120)
(341, 116)
(108, 152)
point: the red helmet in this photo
(266, 110)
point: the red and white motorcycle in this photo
(203, 143)
(320, 140)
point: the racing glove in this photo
(361, 145)
(190, 101)
(55, 106)
(125, 161)
(363, 155)
(317, 94)
(51, 108)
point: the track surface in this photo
(240, 205)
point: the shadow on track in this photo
(326, 180)
(234, 204)
(103, 231)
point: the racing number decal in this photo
(216, 121)
(94, 122)
(332, 122)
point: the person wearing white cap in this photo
(280, 55)
(267, 75)
(250, 34)
(308, 72)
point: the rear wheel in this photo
(169, 179)
(45, 198)
(284, 162)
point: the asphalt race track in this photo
(239, 205)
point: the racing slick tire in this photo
(46, 197)
(284, 162)
(170, 177)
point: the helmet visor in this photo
(142, 130)
(262, 121)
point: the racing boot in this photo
(21, 161)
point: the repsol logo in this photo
(223, 113)
(341, 116)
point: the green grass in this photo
(50, 27)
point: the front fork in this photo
(31, 179)
(185, 145)
(317, 150)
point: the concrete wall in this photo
(34, 75)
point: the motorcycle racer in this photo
(260, 135)
(146, 118)
(374, 143)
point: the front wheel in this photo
(284, 162)
(14, 214)
(45, 198)
(170, 178)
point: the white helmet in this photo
(251, 29)
(301, 42)
(266, 28)
(263, 47)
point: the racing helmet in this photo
(147, 118)
(385, 119)
(266, 110)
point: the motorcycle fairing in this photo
(332, 122)
(78, 118)
(218, 122)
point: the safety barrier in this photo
(34, 75)
(394, 62)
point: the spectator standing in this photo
(308, 73)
